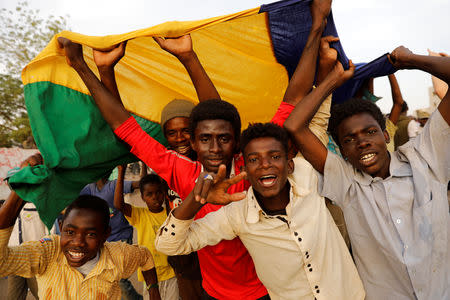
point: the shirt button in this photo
(398, 221)
(299, 239)
(295, 233)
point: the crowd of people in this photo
(323, 202)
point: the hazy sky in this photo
(367, 28)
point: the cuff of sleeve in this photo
(173, 226)
(149, 264)
(126, 128)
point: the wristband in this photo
(151, 286)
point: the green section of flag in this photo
(77, 145)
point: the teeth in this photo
(76, 254)
(267, 180)
(367, 156)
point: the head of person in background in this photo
(84, 229)
(422, 117)
(359, 129)
(153, 192)
(405, 108)
(215, 128)
(175, 125)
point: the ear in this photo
(60, 223)
(193, 146)
(386, 136)
(291, 166)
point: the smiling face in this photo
(176, 131)
(83, 233)
(363, 143)
(267, 166)
(215, 144)
(153, 196)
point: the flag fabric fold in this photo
(249, 56)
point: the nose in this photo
(214, 147)
(363, 142)
(179, 137)
(265, 162)
(79, 240)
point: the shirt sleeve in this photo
(135, 216)
(337, 177)
(413, 128)
(135, 256)
(177, 237)
(127, 187)
(177, 170)
(434, 145)
(28, 259)
(85, 190)
(318, 124)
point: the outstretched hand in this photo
(110, 57)
(178, 47)
(400, 57)
(212, 188)
(73, 51)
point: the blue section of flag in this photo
(289, 24)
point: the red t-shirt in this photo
(227, 268)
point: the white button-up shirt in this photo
(399, 227)
(300, 255)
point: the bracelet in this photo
(151, 286)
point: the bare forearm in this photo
(188, 209)
(396, 98)
(108, 78)
(151, 280)
(303, 77)
(119, 202)
(109, 105)
(10, 210)
(203, 85)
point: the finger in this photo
(330, 39)
(198, 186)
(237, 196)
(158, 40)
(221, 173)
(237, 178)
(351, 66)
(62, 41)
(207, 184)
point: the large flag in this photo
(249, 56)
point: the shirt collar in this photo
(254, 210)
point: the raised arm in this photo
(119, 202)
(182, 49)
(397, 99)
(297, 123)
(108, 103)
(13, 205)
(403, 58)
(302, 79)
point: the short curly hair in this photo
(152, 179)
(260, 130)
(215, 109)
(351, 107)
(92, 203)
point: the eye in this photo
(204, 140)
(371, 131)
(69, 232)
(276, 156)
(348, 140)
(171, 133)
(91, 234)
(252, 159)
(224, 139)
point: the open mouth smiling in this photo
(267, 180)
